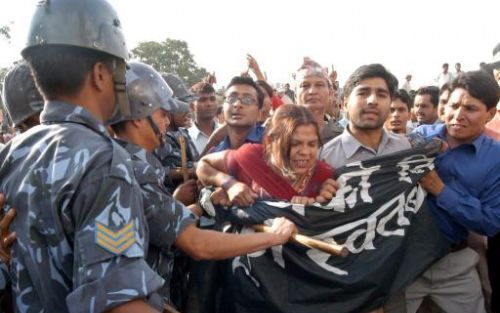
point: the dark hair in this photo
(402, 95)
(202, 87)
(280, 129)
(266, 87)
(240, 80)
(60, 70)
(488, 68)
(119, 127)
(444, 87)
(412, 95)
(445, 64)
(432, 91)
(479, 85)
(370, 71)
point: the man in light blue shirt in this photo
(368, 93)
(242, 105)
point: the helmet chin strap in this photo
(172, 125)
(122, 105)
(155, 128)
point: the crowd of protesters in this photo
(102, 164)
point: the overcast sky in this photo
(406, 36)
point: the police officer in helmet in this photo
(80, 224)
(22, 100)
(170, 222)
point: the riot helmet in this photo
(91, 24)
(88, 24)
(20, 95)
(179, 88)
(181, 107)
(146, 91)
(182, 96)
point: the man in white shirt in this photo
(445, 77)
(204, 110)
(406, 85)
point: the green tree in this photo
(171, 56)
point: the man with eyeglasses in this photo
(204, 109)
(242, 104)
(241, 108)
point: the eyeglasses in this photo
(245, 100)
(204, 99)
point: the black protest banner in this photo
(379, 214)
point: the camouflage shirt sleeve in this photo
(110, 240)
(166, 217)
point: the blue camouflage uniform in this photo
(80, 224)
(170, 153)
(166, 217)
(174, 158)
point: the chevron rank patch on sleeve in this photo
(115, 241)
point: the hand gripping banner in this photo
(379, 214)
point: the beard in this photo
(359, 123)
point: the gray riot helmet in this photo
(146, 91)
(181, 92)
(20, 96)
(89, 24)
(181, 107)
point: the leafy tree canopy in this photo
(171, 56)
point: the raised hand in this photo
(254, 67)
